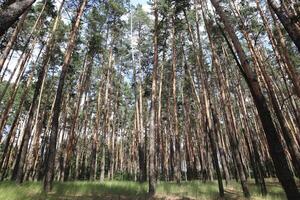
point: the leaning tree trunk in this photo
(290, 25)
(42, 72)
(275, 146)
(287, 135)
(12, 40)
(38, 85)
(50, 162)
(280, 51)
(21, 157)
(11, 14)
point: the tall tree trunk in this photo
(24, 146)
(15, 88)
(50, 161)
(287, 135)
(281, 52)
(25, 56)
(275, 146)
(82, 86)
(38, 85)
(152, 121)
(177, 166)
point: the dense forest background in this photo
(168, 91)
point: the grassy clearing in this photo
(125, 190)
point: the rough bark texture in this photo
(11, 14)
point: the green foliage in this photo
(95, 23)
(140, 18)
(17, 100)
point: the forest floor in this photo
(126, 190)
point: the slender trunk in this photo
(152, 121)
(38, 86)
(258, 60)
(177, 165)
(281, 52)
(50, 162)
(15, 88)
(275, 146)
(12, 40)
(21, 157)
(290, 24)
(72, 140)
(7, 65)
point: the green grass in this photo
(196, 189)
(275, 191)
(125, 190)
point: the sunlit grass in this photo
(275, 191)
(11, 191)
(112, 190)
(196, 189)
(126, 188)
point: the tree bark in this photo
(177, 165)
(50, 162)
(12, 40)
(152, 121)
(11, 14)
(291, 26)
(275, 147)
